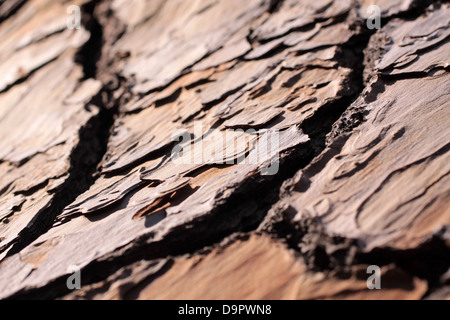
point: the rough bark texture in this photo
(88, 177)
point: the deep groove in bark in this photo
(92, 145)
(308, 238)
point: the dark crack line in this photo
(92, 145)
(331, 253)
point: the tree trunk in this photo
(224, 149)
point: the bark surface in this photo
(90, 119)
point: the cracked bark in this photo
(87, 124)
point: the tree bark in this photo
(224, 149)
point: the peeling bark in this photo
(89, 178)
